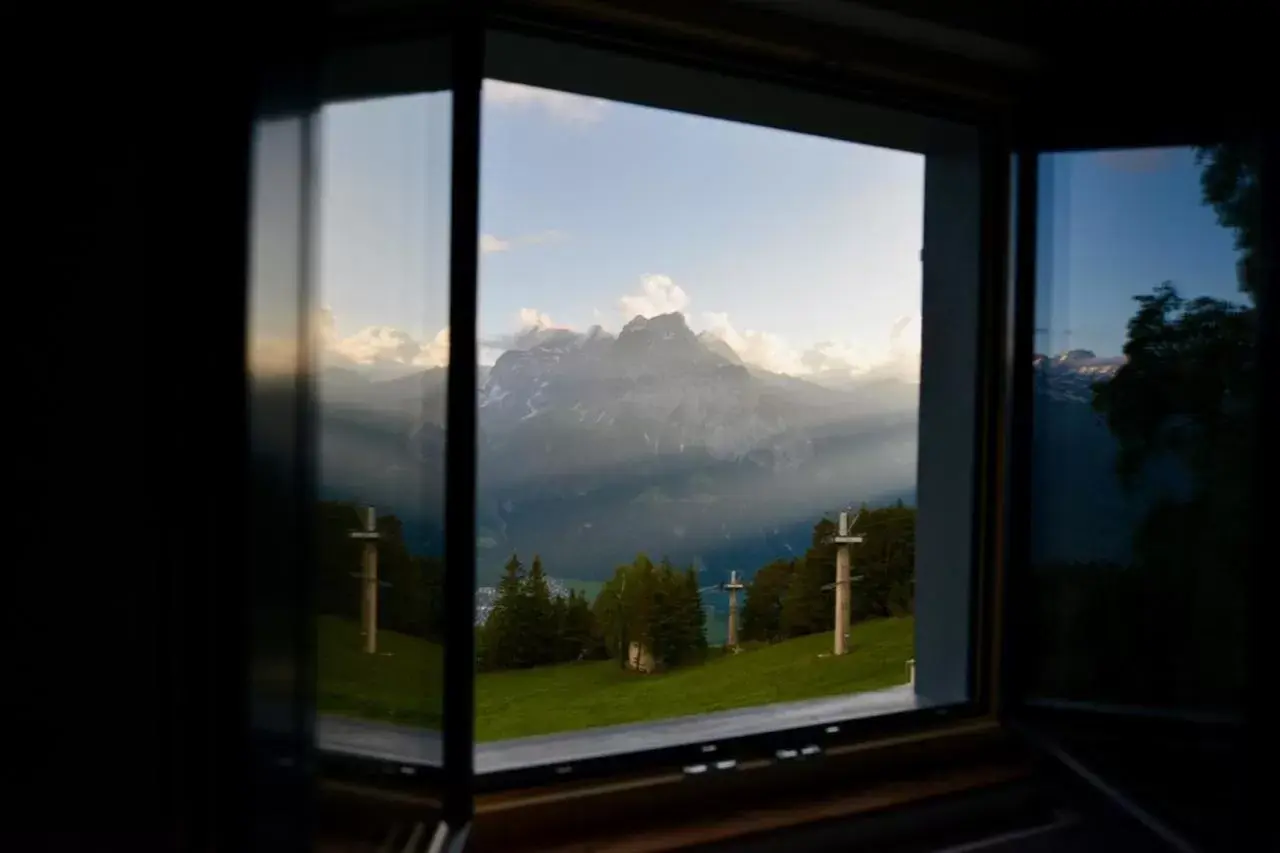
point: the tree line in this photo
(411, 602)
(791, 598)
(655, 607)
(528, 626)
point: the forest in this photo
(656, 605)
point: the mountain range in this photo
(595, 446)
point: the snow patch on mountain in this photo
(1071, 375)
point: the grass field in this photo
(405, 685)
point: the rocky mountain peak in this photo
(720, 347)
(665, 326)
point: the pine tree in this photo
(610, 614)
(638, 604)
(578, 627)
(536, 618)
(884, 563)
(694, 616)
(664, 629)
(762, 608)
(808, 608)
(561, 644)
(502, 626)
(410, 602)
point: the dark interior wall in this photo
(1147, 71)
(148, 221)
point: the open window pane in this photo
(1144, 411)
(382, 202)
(705, 334)
(702, 344)
(701, 306)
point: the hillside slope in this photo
(405, 686)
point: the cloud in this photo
(562, 106)
(834, 357)
(386, 345)
(658, 295)
(763, 349)
(532, 317)
(535, 327)
(490, 243)
(897, 357)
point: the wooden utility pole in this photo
(369, 580)
(733, 586)
(843, 581)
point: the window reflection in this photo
(1144, 410)
(382, 358)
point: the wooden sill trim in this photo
(617, 814)
(847, 779)
(757, 821)
(508, 801)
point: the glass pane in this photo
(274, 354)
(700, 344)
(1144, 409)
(382, 349)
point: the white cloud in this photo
(490, 243)
(897, 357)
(574, 109)
(533, 318)
(763, 349)
(436, 352)
(658, 295)
(386, 345)
(534, 325)
(324, 327)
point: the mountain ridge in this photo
(594, 446)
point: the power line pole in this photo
(369, 580)
(844, 582)
(733, 586)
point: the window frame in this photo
(1035, 137)
(374, 68)
(1099, 746)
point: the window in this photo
(701, 345)
(488, 534)
(350, 354)
(1144, 408)
(382, 352)
(715, 317)
(703, 308)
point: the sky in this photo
(1114, 225)
(801, 252)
